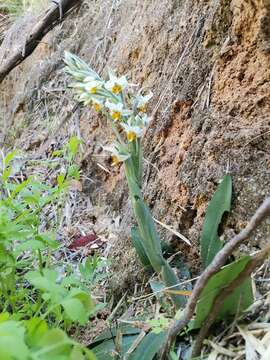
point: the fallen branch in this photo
(220, 259)
(255, 262)
(52, 16)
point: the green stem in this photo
(40, 262)
(148, 233)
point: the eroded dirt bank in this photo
(207, 63)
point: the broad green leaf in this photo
(171, 279)
(111, 333)
(220, 203)
(80, 353)
(238, 301)
(148, 233)
(12, 344)
(137, 242)
(77, 354)
(106, 349)
(48, 239)
(47, 283)
(36, 328)
(75, 310)
(53, 342)
(149, 347)
(30, 245)
(84, 298)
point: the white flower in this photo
(117, 110)
(142, 101)
(119, 153)
(93, 86)
(115, 84)
(143, 120)
(133, 131)
(97, 104)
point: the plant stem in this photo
(40, 262)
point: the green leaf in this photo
(20, 187)
(53, 342)
(106, 349)
(170, 279)
(12, 344)
(220, 203)
(61, 180)
(111, 333)
(72, 147)
(149, 347)
(10, 156)
(36, 328)
(80, 353)
(74, 172)
(30, 245)
(75, 310)
(238, 301)
(137, 242)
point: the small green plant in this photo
(32, 339)
(36, 292)
(125, 110)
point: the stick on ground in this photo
(52, 16)
(220, 259)
(255, 262)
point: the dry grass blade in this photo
(179, 292)
(253, 345)
(221, 350)
(177, 233)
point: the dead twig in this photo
(220, 259)
(256, 261)
(48, 21)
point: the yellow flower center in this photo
(116, 89)
(97, 106)
(116, 115)
(142, 108)
(131, 136)
(115, 160)
(93, 90)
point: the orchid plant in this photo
(126, 111)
